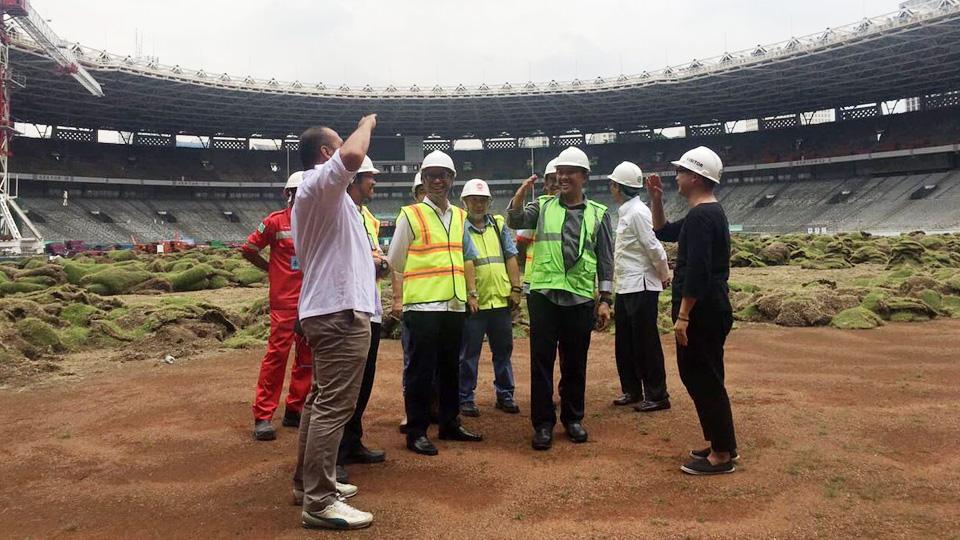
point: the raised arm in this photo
(355, 148)
(655, 189)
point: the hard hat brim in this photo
(569, 164)
(637, 184)
(698, 173)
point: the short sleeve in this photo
(261, 237)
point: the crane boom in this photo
(52, 45)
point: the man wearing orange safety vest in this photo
(285, 277)
(434, 253)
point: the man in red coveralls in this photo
(285, 278)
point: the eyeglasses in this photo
(441, 175)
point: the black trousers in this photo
(567, 328)
(701, 369)
(638, 349)
(434, 350)
(353, 431)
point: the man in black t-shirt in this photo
(701, 305)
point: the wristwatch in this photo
(473, 294)
(606, 300)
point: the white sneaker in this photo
(338, 515)
(344, 492)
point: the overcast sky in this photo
(447, 42)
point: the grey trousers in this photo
(340, 342)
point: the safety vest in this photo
(372, 225)
(548, 268)
(434, 268)
(493, 283)
(528, 265)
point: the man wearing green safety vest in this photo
(573, 258)
(498, 290)
(526, 237)
(435, 254)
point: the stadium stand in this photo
(868, 170)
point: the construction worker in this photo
(284, 274)
(419, 192)
(641, 271)
(352, 449)
(526, 237)
(434, 253)
(573, 257)
(498, 289)
(339, 297)
(701, 304)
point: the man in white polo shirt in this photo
(337, 299)
(640, 273)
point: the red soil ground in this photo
(843, 434)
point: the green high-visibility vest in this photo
(548, 268)
(528, 264)
(493, 282)
(434, 268)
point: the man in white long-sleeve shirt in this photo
(640, 273)
(337, 299)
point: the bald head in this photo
(317, 145)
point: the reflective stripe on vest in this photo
(528, 265)
(372, 225)
(549, 271)
(493, 282)
(434, 268)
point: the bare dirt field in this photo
(843, 434)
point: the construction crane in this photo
(22, 14)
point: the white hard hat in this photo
(417, 181)
(367, 166)
(294, 181)
(475, 187)
(438, 159)
(573, 157)
(628, 174)
(702, 161)
(551, 167)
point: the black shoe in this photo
(362, 454)
(422, 445)
(459, 433)
(291, 418)
(576, 432)
(342, 475)
(650, 406)
(542, 438)
(702, 454)
(403, 425)
(469, 409)
(702, 467)
(626, 399)
(263, 430)
(507, 405)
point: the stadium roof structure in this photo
(909, 53)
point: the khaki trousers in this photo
(340, 342)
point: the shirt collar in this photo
(632, 203)
(488, 220)
(572, 206)
(435, 207)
